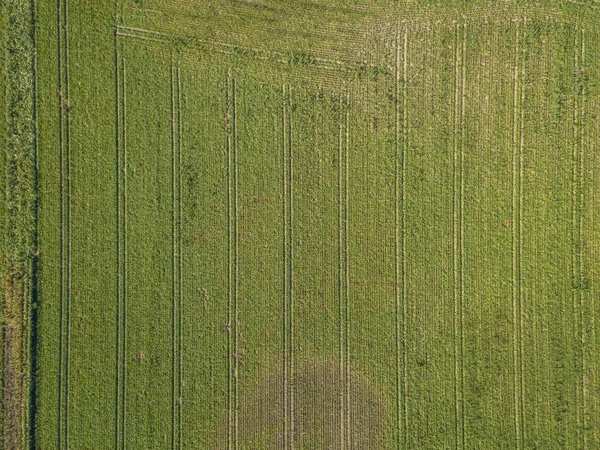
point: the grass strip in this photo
(19, 221)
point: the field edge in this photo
(19, 204)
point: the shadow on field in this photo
(318, 390)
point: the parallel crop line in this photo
(287, 269)
(290, 268)
(176, 255)
(400, 246)
(340, 276)
(520, 243)
(403, 250)
(400, 434)
(518, 418)
(286, 433)
(180, 260)
(118, 242)
(124, 280)
(581, 259)
(230, 278)
(173, 265)
(454, 241)
(577, 202)
(121, 251)
(574, 158)
(232, 262)
(235, 260)
(65, 215)
(346, 276)
(458, 191)
(462, 245)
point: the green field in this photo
(273, 224)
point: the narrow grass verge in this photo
(18, 243)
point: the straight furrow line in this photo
(284, 157)
(290, 269)
(461, 232)
(455, 240)
(118, 140)
(340, 277)
(399, 399)
(180, 263)
(176, 257)
(577, 204)
(288, 325)
(69, 226)
(591, 142)
(61, 135)
(230, 440)
(574, 208)
(346, 275)
(580, 241)
(403, 247)
(457, 235)
(65, 227)
(520, 242)
(173, 265)
(235, 258)
(124, 275)
(515, 244)
(121, 254)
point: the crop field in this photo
(272, 224)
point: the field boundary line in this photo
(19, 213)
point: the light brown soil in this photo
(318, 386)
